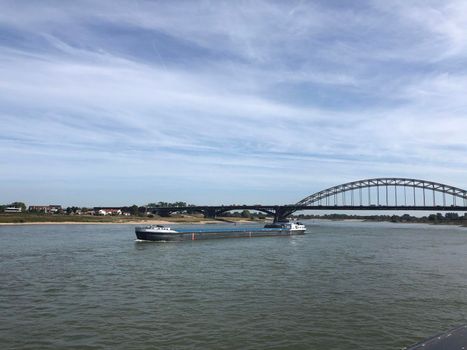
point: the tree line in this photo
(437, 218)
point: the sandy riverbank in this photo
(136, 222)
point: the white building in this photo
(109, 211)
(12, 210)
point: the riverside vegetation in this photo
(130, 214)
(438, 218)
(20, 218)
(136, 213)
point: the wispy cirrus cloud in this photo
(217, 101)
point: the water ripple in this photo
(341, 286)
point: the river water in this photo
(343, 285)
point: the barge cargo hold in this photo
(162, 233)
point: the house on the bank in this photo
(12, 210)
(109, 211)
(54, 208)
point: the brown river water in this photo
(343, 285)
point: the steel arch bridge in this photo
(387, 193)
(395, 192)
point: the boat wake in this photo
(147, 241)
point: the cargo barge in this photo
(163, 233)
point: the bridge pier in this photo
(210, 213)
(281, 213)
(163, 212)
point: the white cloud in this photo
(295, 94)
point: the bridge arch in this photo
(261, 210)
(214, 211)
(410, 191)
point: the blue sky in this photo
(209, 102)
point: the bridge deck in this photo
(314, 207)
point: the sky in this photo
(221, 102)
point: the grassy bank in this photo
(19, 218)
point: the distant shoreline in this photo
(147, 222)
(394, 222)
(17, 220)
(62, 220)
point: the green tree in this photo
(134, 210)
(18, 205)
(246, 214)
(141, 211)
(451, 216)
